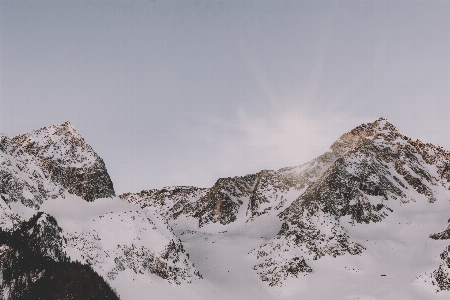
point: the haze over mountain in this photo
(368, 219)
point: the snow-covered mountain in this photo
(47, 162)
(53, 179)
(368, 219)
(331, 219)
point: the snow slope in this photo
(368, 219)
(53, 170)
(354, 223)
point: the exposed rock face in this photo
(52, 163)
(258, 193)
(164, 256)
(34, 167)
(277, 268)
(366, 174)
(443, 235)
(382, 165)
(169, 201)
(170, 264)
(48, 161)
(358, 179)
(439, 278)
(310, 235)
(221, 203)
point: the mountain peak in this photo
(315, 220)
(66, 128)
(63, 156)
(380, 127)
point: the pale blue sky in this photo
(181, 93)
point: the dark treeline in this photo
(34, 266)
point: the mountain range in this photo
(367, 219)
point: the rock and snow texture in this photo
(330, 208)
(365, 220)
(113, 236)
(52, 179)
(169, 201)
(46, 162)
(383, 168)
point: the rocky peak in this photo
(46, 162)
(375, 167)
(380, 128)
(58, 142)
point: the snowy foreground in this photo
(399, 247)
(366, 220)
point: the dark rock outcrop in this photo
(48, 161)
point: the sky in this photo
(185, 92)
